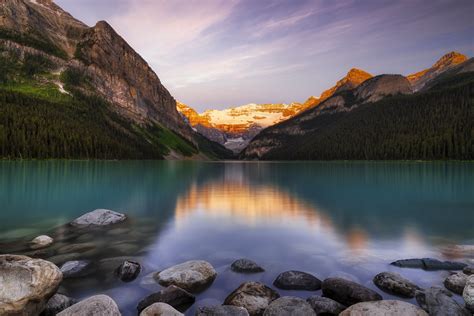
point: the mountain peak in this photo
(353, 78)
(451, 58)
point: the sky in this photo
(214, 54)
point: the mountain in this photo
(379, 119)
(48, 57)
(236, 127)
(445, 63)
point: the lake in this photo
(326, 218)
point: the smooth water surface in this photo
(326, 218)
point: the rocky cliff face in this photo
(381, 86)
(445, 63)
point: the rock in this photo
(456, 282)
(429, 264)
(98, 305)
(42, 241)
(98, 218)
(222, 310)
(246, 266)
(347, 292)
(288, 305)
(61, 259)
(77, 248)
(297, 280)
(172, 295)
(386, 307)
(438, 302)
(253, 296)
(192, 275)
(76, 268)
(468, 293)
(128, 271)
(468, 270)
(57, 304)
(325, 306)
(160, 309)
(26, 284)
(394, 283)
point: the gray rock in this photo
(76, 268)
(98, 305)
(288, 305)
(222, 310)
(60, 259)
(347, 292)
(253, 296)
(42, 241)
(128, 271)
(387, 308)
(297, 280)
(456, 282)
(172, 295)
(468, 293)
(57, 304)
(394, 283)
(468, 270)
(325, 306)
(438, 302)
(26, 284)
(98, 218)
(246, 266)
(160, 309)
(429, 264)
(192, 276)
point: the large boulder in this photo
(192, 276)
(468, 293)
(386, 308)
(172, 295)
(297, 280)
(438, 302)
(394, 283)
(253, 296)
(325, 305)
(57, 304)
(246, 266)
(288, 305)
(160, 309)
(98, 218)
(98, 305)
(347, 292)
(221, 310)
(26, 284)
(76, 268)
(429, 264)
(42, 241)
(456, 282)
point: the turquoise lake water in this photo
(326, 218)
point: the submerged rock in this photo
(76, 268)
(42, 241)
(77, 248)
(26, 284)
(387, 307)
(347, 292)
(468, 270)
(394, 283)
(429, 264)
(172, 295)
(325, 305)
(128, 271)
(297, 280)
(61, 259)
(288, 305)
(246, 266)
(57, 304)
(222, 310)
(456, 282)
(253, 296)
(468, 293)
(438, 302)
(98, 218)
(160, 309)
(98, 305)
(192, 275)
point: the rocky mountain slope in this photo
(92, 62)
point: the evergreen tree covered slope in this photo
(434, 124)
